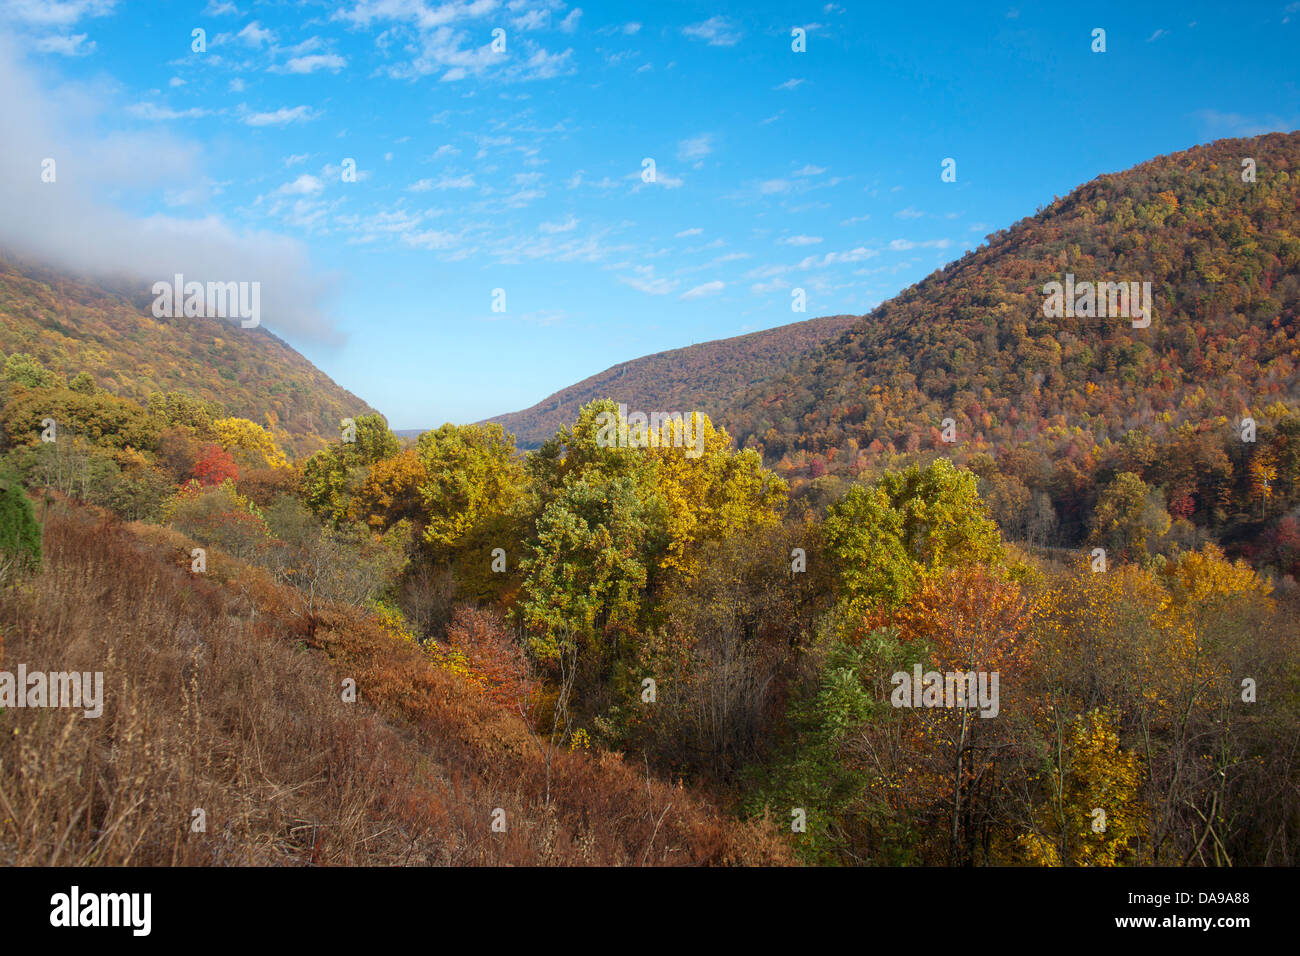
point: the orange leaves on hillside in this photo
(972, 617)
(215, 465)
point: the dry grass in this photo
(221, 693)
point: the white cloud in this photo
(715, 31)
(908, 213)
(551, 228)
(800, 240)
(255, 35)
(450, 39)
(646, 281)
(810, 170)
(281, 117)
(317, 61)
(771, 186)
(74, 45)
(304, 185)
(697, 147)
(789, 84)
(708, 288)
(431, 239)
(1237, 124)
(77, 225)
(152, 111)
(903, 245)
(689, 232)
(838, 258)
(570, 23)
(533, 19)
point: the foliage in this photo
(471, 476)
(887, 536)
(215, 466)
(20, 534)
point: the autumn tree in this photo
(332, 476)
(391, 491)
(472, 477)
(888, 535)
(1128, 519)
(1090, 811)
(215, 466)
(249, 443)
(590, 565)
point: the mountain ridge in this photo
(73, 324)
(665, 380)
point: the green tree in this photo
(22, 369)
(590, 564)
(472, 476)
(888, 535)
(20, 534)
(84, 383)
(1128, 517)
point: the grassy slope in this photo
(221, 695)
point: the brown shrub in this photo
(214, 699)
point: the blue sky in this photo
(522, 170)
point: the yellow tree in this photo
(1092, 813)
(249, 443)
(390, 492)
(710, 489)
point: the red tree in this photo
(214, 466)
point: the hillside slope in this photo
(971, 342)
(221, 705)
(709, 376)
(72, 325)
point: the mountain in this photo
(705, 377)
(1214, 229)
(106, 328)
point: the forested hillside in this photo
(1064, 405)
(709, 377)
(73, 325)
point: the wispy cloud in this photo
(708, 288)
(280, 117)
(697, 147)
(310, 64)
(1219, 124)
(715, 31)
